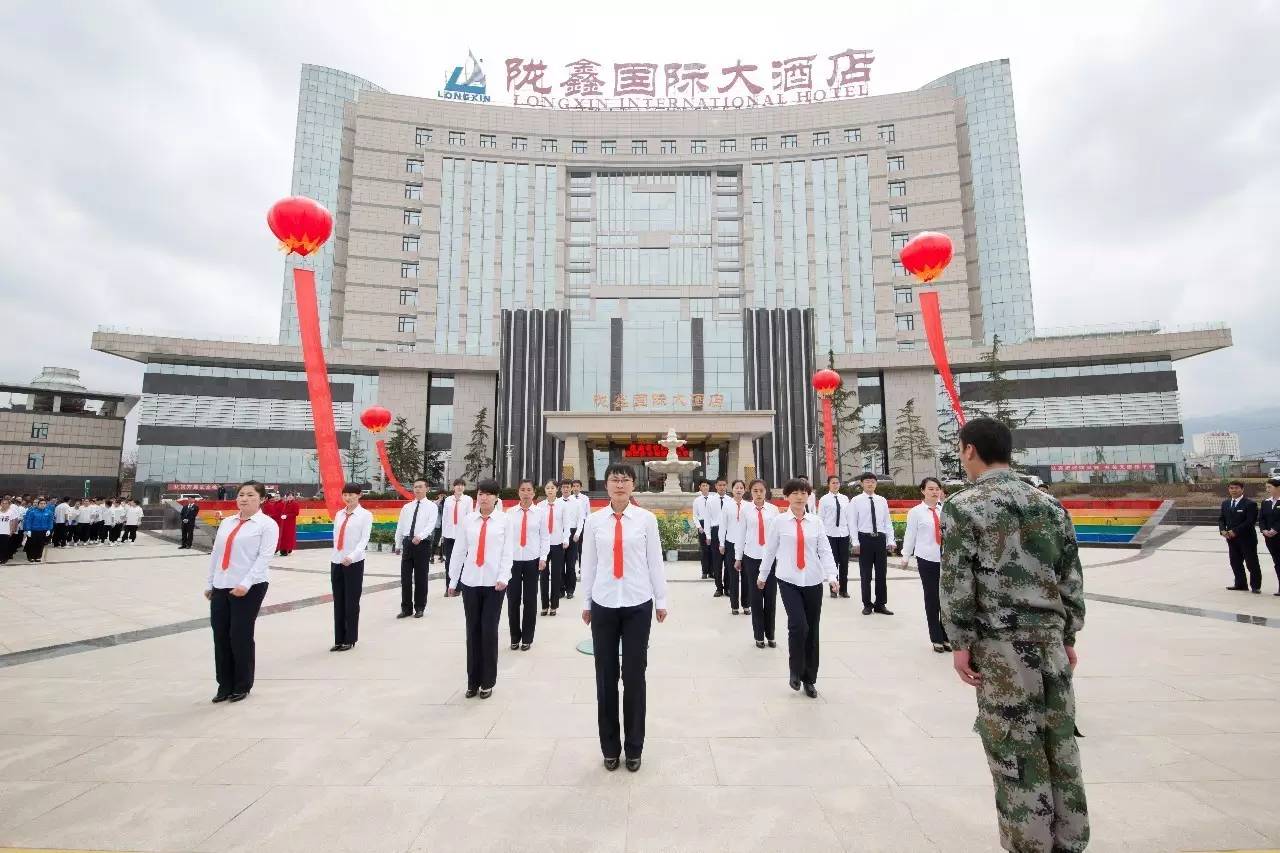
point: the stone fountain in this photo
(673, 466)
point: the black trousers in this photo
(840, 550)
(188, 533)
(764, 602)
(435, 544)
(130, 533)
(804, 611)
(482, 606)
(873, 555)
(1244, 552)
(1273, 546)
(233, 620)
(114, 533)
(82, 531)
(446, 549)
(347, 583)
(7, 545)
(735, 582)
(414, 562)
(551, 582)
(99, 533)
(712, 559)
(59, 535)
(572, 550)
(35, 544)
(628, 626)
(929, 572)
(704, 555)
(522, 600)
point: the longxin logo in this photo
(466, 83)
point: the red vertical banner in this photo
(304, 286)
(386, 470)
(828, 440)
(932, 314)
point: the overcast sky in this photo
(143, 142)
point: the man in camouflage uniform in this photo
(1012, 599)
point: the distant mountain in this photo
(1259, 429)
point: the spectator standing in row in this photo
(38, 524)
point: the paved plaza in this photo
(108, 740)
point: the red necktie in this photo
(937, 525)
(617, 545)
(342, 531)
(524, 526)
(226, 554)
(800, 544)
(484, 529)
(455, 511)
(551, 517)
(760, 526)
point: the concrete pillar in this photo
(917, 384)
(746, 457)
(572, 458)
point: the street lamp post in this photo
(510, 449)
(808, 460)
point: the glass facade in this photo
(317, 154)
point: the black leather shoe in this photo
(418, 614)
(759, 644)
(746, 611)
(515, 646)
(403, 614)
(568, 595)
(939, 648)
(552, 612)
(524, 647)
(1255, 592)
(336, 647)
(545, 612)
(471, 692)
(633, 764)
(611, 764)
(867, 611)
(1238, 588)
(735, 612)
(486, 692)
(346, 647)
(811, 691)
(772, 644)
(221, 697)
(795, 683)
(844, 595)
(833, 595)
(237, 697)
(884, 611)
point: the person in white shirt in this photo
(235, 587)
(923, 540)
(551, 578)
(101, 520)
(132, 520)
(731, 549)
(73, 519)
(117, 522)
(700, 521)
(584, 510)
(454, 511)
(527, 529)
(834, 509)
(574, 519)
(757, 517)
(413, 544)
(10, 524)
(481, 563)
(350, 536)
(875, 540)
(797, 550)
(625, 580)
(60, 522)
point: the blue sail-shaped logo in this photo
(467, 82)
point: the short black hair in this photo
(927, 480)
(532, 485)
(1274, 481)
(720, 480)
(460, 482)
(488, 486)
(868, 475)
(797, 484)
(621, 470)
(256, 486)
(736, 482)
(752, 485)
(832, 477)
(702, 483)
(1236, 483)
(990, 439)
(352, 489)
(422, 480)
(579, 482)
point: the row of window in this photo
(886, 133)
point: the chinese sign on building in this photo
(587, 84)
(645, 450)
(1106, 466)
(656, 400)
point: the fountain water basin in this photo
(673, 467)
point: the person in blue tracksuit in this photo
(38, 524)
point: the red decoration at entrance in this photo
(648, 450)
(375, 419)
(302, 225)
(826, 382)
(932, 315)
(386, 470)
(926, 255)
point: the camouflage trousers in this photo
(1026, 719)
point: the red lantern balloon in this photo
(301, 224)
(375, 418)
(926, 255)
(825, 382)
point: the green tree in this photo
(998, 396)
(853, 443)
(948, 445)
(911, 443)
(433, 467)
(356, 461)
(404, 452)
(478, 461)
(1099, 458)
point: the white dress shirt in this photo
(117, 514)
(553, 518)
(133, 515)
(73, 514)
(251, 552)
(921, 538)
(571, 508)
(827, 509)
(860, 507)
(537, 545)
(356, 538)
(448, 530)
(812, 504)
(708, 510)
(93, 513)
(751, 515)
(8, 518)
(584, 509)
(60, 514)
(405, 526)
(780, 551)
(731, 522)
(643, 574)
(497, 552)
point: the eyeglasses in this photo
(618, 481)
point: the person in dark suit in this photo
(1269, 523)
(1236, 523)
(190, 512)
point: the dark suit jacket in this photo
(1241, 520)
(189, 513)
(1269, 515)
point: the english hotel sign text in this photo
(586, 84)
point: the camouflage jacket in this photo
(1010, 565)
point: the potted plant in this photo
(380, 539)
(670, 527)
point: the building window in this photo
(579, 146)
(519, 143)
(639, 146)
(421, 135)
(853, 134)
(887, 134)
(408, 269)
(788, 140)
(897, 189)
(408, 296)
(897, 215)
(458, 137)
(906, 346)
(728, 145)
(40, 430)
(898, 269)
(550, 145)
(905, 322)
(903, 296)
(413, 167)
(608, 146)
(898, 240)
(667, 146)
(408, 243)
(759, 143)
(413, 191)
(407, 323)
(413, 217)
(488, 140)
(897, 164)
(697, 146)
(35, 461)
(820, 138)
